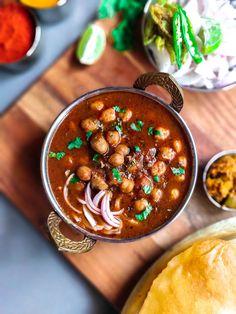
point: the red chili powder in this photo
(17, 31)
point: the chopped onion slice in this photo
(98, 197)
(106, 213)
(89, 217)
(81, 201)
(89, 201)
(65, 194)
(118, 212)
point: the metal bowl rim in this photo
(59, 119)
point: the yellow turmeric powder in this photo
(40, 4)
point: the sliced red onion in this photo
(118, 212)
(98, 197)
(89, 217)
(81, 201)
(65, 194)
(89, 201)
(106, 213)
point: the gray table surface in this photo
(34, 277)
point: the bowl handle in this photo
(63, 243)
(166, 81)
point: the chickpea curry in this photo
(120, 165)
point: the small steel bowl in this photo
(218, 86)
(54, 14)
(31, 55)
(207, 167)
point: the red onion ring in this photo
(98, 197)
(89, 217)
(89, 201)
(106, 213)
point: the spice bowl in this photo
(205, 174)
(55, 13)
(32, 53)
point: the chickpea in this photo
(182, 161)
(142, 181)
(158, 169)
(113, 138)
(156, 194)
(161, 133)
(127, 185)
(98, 182)
(180, 178)
(90, 124)
(68, 161)
(97, 105)
(99, 144)
(174, 194)
(126, 116)
(177, 146)
(167, 153)
(84, 173)
(122, 149)
(140, 205)
(78, 186)
(116, 159)
(108, 115)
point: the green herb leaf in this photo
(57, 155)
(150, 130)
(145, 213)
(138, 126)
(137, 149)
(108, 8)
(178, 171)
(147, 189)
(118, 109)
(157, 132)
(96, 157)
(88, 135)
(74, 179)
(156, 178)
(118, 128)
(116, 174)
(77, 143)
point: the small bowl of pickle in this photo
(219, 180)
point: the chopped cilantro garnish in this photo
(77, 143)
(118, 109)
(150, 130)
(137, 126)
(145, 213)
(178, 171)
(116, 174)
(157, 132)
(147, 189)
(96, 157)
(118, 128)
(156, 178)
(57, 155)
(88, 135)
(137, 149)
(74, 179)
(123, 34)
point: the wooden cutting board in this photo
(113, 269)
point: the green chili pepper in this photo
(189, 37)
(177, 37)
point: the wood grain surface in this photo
(112, 268)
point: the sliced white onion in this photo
(89, 217)
(65, 194)
(98, 197)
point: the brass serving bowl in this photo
(162, 79)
